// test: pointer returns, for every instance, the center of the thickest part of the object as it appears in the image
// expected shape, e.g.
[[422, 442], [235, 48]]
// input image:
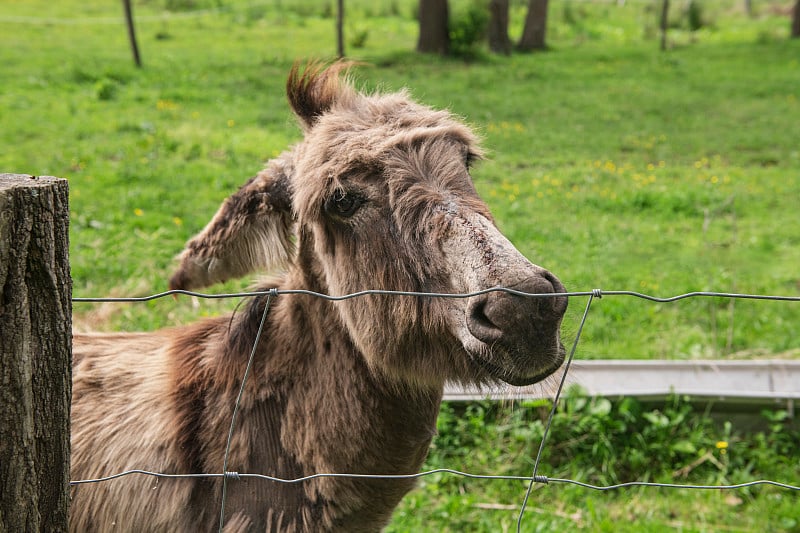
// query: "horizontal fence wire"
[[598, 293], [533, 479], [494, 477]]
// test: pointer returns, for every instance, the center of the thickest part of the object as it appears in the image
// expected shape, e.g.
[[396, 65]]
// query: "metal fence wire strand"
[[236, 408], [534, 478], [468, 475], [597, 293], [552, 414]]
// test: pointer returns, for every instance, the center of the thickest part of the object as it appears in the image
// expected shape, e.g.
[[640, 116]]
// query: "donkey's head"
[[378, 196]]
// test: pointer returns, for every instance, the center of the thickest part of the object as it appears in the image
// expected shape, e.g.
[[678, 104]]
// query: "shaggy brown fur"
[[377, 195]]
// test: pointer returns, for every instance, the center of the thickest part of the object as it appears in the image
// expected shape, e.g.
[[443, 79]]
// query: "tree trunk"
[[340, 28], [533, 34], [433, 31], [664, 23], [499, 42], [126, 4], [796, 20], [35, 353]]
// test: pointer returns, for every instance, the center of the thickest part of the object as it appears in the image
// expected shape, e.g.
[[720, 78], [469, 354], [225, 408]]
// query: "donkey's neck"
[[334, 415], [356, 419]]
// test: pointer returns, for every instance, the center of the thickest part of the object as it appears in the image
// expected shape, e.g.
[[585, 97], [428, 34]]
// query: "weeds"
[[603, 441], [607, 442], [468, 28]]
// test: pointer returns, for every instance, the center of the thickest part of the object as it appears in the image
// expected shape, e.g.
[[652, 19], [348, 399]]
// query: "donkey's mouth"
[[515, 376]]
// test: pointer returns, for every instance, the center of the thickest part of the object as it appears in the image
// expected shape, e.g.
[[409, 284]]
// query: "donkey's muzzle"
[[520, 332]]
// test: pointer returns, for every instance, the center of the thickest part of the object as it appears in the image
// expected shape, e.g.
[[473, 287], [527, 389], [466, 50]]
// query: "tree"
[[340, 28], [499, 42], [533, 34], [433, 27], [126, 4], [664, 23], [796, 20]]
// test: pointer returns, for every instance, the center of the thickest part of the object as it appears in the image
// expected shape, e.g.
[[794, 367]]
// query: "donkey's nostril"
[[559, 303], [479, 324], [511, 319], [554, 281]]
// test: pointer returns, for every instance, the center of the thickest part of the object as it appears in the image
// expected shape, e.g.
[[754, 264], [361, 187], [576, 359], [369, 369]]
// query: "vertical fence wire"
[[225, 475], [552, 414]]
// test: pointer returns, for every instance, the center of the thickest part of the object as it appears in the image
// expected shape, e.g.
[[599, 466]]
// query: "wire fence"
[[532, 480]]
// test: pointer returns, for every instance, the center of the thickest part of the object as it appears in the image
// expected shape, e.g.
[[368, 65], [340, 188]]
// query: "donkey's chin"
[[513, 374]]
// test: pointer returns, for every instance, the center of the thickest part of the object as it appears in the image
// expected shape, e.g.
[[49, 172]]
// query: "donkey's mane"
[[315, 87]]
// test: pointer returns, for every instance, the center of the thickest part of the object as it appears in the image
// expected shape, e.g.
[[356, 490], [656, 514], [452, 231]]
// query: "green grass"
[[614, 165], [610, 163]]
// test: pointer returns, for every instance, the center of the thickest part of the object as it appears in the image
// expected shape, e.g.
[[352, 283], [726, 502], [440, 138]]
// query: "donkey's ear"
[[251, 231], [314, 88]]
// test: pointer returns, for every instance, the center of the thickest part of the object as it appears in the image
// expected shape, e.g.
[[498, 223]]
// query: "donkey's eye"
[[343, 204]]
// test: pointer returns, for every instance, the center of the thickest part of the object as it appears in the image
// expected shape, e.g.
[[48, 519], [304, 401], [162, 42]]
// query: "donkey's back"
[[124, 418]]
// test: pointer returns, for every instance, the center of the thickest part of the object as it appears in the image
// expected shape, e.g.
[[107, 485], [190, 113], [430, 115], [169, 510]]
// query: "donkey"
[[377, 195]]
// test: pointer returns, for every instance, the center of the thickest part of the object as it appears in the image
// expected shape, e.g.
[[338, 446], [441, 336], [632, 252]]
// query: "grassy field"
[[613, 164]]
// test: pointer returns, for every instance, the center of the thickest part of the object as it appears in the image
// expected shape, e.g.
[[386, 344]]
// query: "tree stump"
[[35, 353]]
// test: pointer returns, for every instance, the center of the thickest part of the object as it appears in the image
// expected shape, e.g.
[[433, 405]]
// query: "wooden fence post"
[[35, 353]]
